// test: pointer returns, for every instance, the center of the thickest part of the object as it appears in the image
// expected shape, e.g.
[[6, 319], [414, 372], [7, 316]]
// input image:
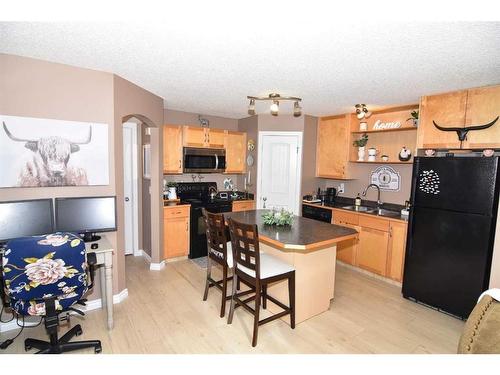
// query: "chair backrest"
[[245, 244], [215, 228], [40, 267]]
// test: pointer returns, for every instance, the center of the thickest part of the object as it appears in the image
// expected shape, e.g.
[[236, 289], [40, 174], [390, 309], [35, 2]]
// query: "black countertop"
[[303, 234]]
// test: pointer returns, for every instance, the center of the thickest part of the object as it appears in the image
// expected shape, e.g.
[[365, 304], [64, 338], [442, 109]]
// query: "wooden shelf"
[[381, 162], [407, 128]]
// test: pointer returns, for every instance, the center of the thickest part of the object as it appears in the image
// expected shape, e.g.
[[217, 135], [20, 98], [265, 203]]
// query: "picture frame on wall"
[[38, 152], [146, 161]]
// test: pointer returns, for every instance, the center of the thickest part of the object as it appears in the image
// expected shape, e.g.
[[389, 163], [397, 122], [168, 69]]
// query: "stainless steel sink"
[[384, 212], [359, 208]]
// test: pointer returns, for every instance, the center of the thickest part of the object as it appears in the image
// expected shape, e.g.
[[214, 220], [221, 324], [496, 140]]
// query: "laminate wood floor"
[[164, 313]]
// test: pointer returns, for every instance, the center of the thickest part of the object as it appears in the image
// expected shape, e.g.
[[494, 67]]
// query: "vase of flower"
[[361, 153], [360, 144], [172, 190]]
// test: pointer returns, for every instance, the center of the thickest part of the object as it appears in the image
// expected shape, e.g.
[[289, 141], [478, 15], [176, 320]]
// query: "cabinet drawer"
[[243, 206], [175, 211], [343, 217], [374, 223]]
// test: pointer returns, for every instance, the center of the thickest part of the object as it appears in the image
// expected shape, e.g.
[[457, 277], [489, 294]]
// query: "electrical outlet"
[[341, 188]]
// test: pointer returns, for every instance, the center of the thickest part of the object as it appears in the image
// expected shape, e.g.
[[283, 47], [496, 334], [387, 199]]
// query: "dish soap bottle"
[[357, 201]]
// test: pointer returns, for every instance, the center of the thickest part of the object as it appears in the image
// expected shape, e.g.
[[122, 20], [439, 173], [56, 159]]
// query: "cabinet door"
[[332, 152], [215, 138], [347, 250], [372, 250], [397, 248], [172, 149], [447, 110], [194, 136], [243, 206], [483, 106], [235, 152], [176, 234]]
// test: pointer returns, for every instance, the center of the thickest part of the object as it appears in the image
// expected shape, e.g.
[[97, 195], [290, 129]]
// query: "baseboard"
[[138, 252], [157, 266], [176, 259], [94, 304], [146, 256], [368, 273]]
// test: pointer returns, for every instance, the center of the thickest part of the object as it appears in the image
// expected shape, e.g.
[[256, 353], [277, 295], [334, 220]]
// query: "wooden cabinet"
[[176, 231], [372, 250], [243, 205], [396, 250], [347, 250], [235, 144], [332, 151], [458, 109], [172, 149], [483, 106], [194, 136]]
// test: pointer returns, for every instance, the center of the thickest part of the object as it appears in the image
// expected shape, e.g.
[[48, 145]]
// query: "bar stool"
[[219, 251], [259, 270]]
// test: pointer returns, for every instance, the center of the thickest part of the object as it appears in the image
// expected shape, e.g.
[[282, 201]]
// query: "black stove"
[[197, 194]]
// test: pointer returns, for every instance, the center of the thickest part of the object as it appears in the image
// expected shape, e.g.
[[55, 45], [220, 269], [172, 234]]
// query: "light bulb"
[[251, 107], [360, 114], [297, 110], [274, 108]]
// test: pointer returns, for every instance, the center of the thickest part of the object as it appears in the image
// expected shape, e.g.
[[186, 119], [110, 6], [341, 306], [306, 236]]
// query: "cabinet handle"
[[187, 226], [390, 231]]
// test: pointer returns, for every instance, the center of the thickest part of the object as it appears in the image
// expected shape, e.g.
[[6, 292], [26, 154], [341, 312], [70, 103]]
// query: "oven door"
[[201, 160]]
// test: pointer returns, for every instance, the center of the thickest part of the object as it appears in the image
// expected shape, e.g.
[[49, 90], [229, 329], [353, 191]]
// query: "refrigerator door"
[[463, 184], [448, 259]]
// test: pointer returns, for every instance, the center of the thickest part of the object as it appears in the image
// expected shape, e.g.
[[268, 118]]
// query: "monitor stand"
[[90, 237]]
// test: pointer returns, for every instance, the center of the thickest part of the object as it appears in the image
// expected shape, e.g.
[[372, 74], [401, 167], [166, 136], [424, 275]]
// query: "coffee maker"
[[330, 195]]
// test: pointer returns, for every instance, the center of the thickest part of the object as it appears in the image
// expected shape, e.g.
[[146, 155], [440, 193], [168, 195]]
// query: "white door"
[[278, 181], [130, 187]]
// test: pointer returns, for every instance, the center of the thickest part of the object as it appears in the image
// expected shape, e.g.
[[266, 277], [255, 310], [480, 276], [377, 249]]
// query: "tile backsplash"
[[206, 177]]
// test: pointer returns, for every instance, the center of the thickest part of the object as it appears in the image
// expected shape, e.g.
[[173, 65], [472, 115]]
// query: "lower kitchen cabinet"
[[176, 231], [243, 205], [347, 250], [372, 250], [397, 248]]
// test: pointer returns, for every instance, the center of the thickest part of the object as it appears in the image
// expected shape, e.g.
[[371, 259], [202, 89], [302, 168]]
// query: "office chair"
[[45, 276]]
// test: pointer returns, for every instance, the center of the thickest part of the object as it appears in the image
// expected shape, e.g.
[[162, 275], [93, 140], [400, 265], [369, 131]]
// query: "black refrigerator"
[[451, 231]]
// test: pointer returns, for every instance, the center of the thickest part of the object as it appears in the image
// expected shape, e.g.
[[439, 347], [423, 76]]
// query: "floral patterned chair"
[[45, 276]]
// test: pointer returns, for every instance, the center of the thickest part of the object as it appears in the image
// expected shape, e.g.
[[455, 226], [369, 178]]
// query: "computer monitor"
[[86, 216], [26, 218]]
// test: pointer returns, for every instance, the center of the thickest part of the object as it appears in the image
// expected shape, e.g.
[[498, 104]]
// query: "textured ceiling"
[[209, 65]]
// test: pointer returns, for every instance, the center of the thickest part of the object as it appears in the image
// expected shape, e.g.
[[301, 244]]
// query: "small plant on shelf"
[[360, 144], [172, 190], [279, 218], [414, 117]]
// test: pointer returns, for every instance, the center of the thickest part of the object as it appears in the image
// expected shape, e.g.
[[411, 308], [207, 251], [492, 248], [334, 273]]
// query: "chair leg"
[[231, 309], [207, 283], [291, 298], [70, 346], [37, 344], [75, 331], [264, 296], [238, 285], [256, 316], [224, 292]]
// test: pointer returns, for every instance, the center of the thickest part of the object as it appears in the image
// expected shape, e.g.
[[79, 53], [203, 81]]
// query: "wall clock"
[[251, 145]]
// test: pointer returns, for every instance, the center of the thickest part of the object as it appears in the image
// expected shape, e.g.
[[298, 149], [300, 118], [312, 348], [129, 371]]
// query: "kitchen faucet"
[[379, 202]]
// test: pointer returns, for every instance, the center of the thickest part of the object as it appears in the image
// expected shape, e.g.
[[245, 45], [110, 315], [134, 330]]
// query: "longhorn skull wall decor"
[[462, 132], [41, 152]]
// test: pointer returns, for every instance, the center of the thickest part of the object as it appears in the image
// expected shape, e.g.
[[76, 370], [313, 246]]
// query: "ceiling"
[[206, 64]]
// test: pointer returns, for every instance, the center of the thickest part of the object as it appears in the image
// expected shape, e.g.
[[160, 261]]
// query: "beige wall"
[[35, 88], [310, 182], [250, 125]]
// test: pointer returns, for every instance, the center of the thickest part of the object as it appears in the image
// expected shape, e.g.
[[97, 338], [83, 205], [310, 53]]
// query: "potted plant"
[[172, 190], [278, 218], [414, 118], [360, 144]]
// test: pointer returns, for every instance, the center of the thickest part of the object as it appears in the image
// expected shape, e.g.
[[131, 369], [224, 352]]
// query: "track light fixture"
[[274, 108], [362, 112]]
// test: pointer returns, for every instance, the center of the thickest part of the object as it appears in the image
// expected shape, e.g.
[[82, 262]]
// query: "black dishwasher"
[[317, 213]]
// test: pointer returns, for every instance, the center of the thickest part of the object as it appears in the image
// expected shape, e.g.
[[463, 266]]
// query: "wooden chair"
[[259, 270]]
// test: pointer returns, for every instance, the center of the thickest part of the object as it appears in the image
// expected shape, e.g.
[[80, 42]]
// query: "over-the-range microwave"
[[204, 160]]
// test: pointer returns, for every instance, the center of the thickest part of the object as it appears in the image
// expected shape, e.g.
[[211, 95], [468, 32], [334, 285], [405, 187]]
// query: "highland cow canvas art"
[[43, 152]]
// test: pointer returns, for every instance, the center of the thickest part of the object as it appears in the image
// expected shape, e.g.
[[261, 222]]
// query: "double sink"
[[373, 210]]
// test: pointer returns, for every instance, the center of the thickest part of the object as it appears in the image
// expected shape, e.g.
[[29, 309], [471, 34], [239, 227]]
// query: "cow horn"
[[447, 129], [9, 134], [87, 140]]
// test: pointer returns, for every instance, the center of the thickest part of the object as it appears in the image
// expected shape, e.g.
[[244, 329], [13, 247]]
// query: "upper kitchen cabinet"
[[194, 136], [332, 151], [464, 108], [483, 106], [235, 152], [447, 110], [172, 149]]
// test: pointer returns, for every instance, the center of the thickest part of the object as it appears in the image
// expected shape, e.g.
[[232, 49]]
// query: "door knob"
[[127, 199]]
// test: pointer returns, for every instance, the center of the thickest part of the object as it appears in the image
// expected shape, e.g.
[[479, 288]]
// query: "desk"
[[104, 255]]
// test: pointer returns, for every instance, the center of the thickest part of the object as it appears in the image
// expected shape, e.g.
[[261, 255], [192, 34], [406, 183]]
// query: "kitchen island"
[[310, 247]]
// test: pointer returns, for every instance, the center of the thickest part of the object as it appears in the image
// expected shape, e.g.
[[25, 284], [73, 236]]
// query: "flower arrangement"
[[171, 184], [361, 142], [279, 218]]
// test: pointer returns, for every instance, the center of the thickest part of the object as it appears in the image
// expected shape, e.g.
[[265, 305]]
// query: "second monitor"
[[86, 216]]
